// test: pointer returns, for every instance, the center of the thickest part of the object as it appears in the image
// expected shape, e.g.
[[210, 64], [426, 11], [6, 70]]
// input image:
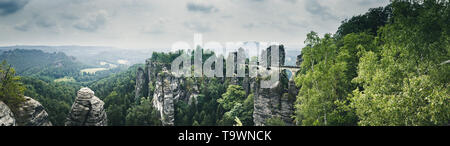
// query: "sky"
[[144, 24]]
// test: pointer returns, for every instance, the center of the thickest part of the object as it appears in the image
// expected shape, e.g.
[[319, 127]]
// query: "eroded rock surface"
[[87, 110], [32, 113], [6, 116], [163, 97]]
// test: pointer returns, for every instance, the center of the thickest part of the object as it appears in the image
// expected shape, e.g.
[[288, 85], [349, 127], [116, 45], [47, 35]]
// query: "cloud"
[[23, 27], [37, 21], [314, 7], [195, 7], [258, 0], [45, 22], [92, 22], [198, 27], [144, 24], [364, 2], [156, 30], [291, 1], [11, 6], [249, 25]]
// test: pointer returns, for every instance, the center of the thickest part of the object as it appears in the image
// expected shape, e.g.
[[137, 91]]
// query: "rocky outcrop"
[[191, 96], [299, 60], [166, 88], [6, 116], [140, 82], [87, 110], [29, 113], [287, 103], [277, 101], [32, 113], [150, 73], [266, 103], [273, 102]]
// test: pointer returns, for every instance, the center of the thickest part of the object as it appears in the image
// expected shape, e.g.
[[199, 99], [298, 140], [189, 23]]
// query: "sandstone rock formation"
[[277, 101], [87, 110], [299, 60], [6, 116], [140, 84], [32, 113], [166, 87], [273, 102]]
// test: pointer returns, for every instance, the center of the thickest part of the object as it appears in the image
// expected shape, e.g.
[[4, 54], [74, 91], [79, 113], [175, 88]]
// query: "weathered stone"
[[299, 60], [87, 110], [140, 82], [276, 101], [6, 116], [268, 103], [32, 113], [163, 97], [150, 74]]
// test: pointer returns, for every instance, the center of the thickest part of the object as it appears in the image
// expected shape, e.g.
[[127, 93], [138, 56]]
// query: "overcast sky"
[[158, 24]]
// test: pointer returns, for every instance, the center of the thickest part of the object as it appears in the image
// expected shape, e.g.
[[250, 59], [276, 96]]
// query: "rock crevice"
[[6, 116], [87, 110], [28, 113]]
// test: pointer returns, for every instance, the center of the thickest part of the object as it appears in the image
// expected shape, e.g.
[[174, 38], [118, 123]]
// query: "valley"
[[385, 67]]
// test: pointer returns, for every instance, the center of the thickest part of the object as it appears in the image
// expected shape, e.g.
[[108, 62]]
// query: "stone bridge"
[[292, 69]]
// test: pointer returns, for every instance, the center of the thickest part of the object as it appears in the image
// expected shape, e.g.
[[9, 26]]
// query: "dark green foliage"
[[117, 91], [55, 97], [165, 58], [143, 115], [384, 67], [236, 104], [378, 73], [369, 22], [11, 90], [39, 63], [205, 112], [275, 121], [405, 83]]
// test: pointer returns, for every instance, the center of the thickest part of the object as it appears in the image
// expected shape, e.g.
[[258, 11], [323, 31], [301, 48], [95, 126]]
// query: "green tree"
[[11, 89], [235, 94], [236, 105], [275, 121], [405, 83], [143, 115], [324, 81], [369, 22]]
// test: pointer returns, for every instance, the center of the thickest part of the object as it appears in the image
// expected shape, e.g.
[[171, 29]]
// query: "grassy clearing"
[[65, 79], [92, 70]]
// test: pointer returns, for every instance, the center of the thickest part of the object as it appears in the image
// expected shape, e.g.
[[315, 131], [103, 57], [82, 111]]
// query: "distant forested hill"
[[94, 55], [37, 62]]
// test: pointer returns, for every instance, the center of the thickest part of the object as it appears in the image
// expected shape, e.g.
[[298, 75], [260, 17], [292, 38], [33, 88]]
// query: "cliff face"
[[163, 98], [266, 103], [29, 113], [165, 89], [277, 101], [299, 60], [32, 113], [274, 102], [6, 116], [156, 81], [140, 84], [87, 110]]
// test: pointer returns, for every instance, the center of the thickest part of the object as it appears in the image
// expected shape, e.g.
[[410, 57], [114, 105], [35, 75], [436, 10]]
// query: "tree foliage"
[[380, 73], [11, 90]]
